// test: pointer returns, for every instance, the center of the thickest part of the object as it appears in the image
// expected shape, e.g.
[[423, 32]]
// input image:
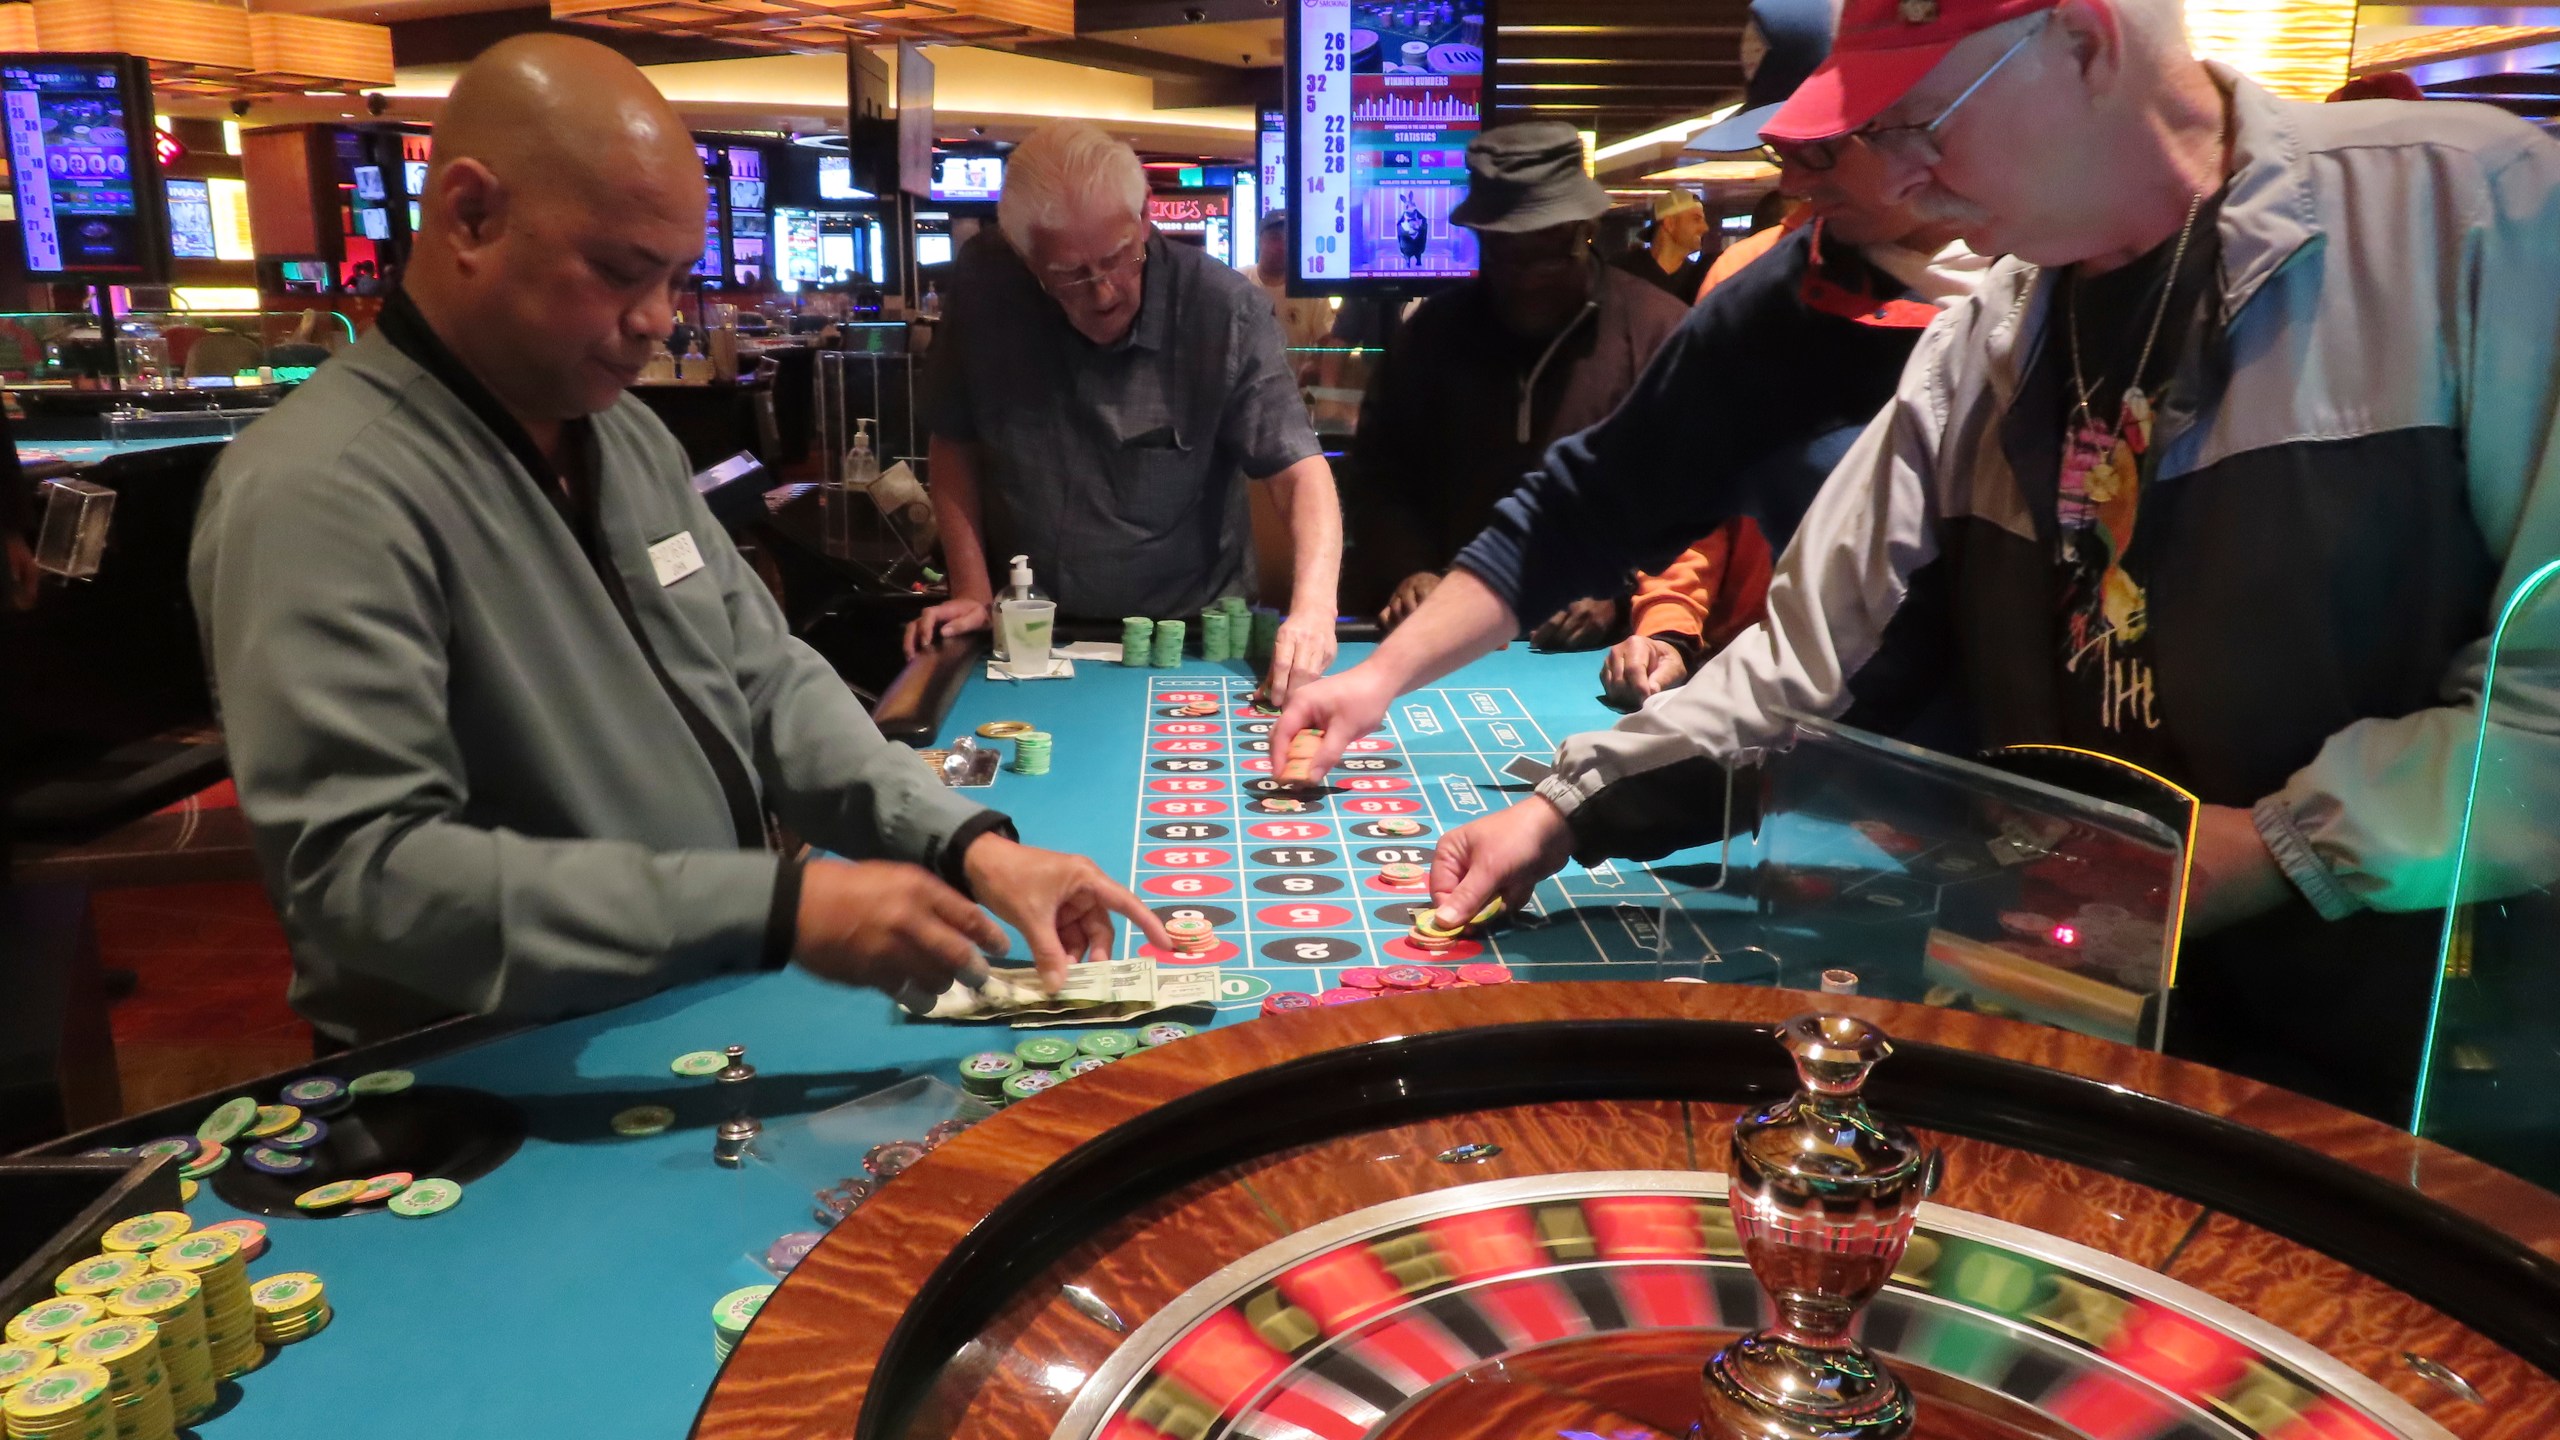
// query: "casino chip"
[[1045, 1052], [785, 1254], [205, 1162], [1364, 977], [381, 1082], [227, 1120], [1164, 1032], [1398, 825], [1485, 973], [426, 1197], [188, 1190], [251, 1235], [1029, 1083], [317, 1094], [274, 1120], [1005, 729], [101, 1275], [1280, 1002], [144, 1232], [329, 1196], [382, 1187], [50, 1322], [696, 1064], [181, 1148], [984, 1073], [1108, 1043], [1345, 996], [732, 1315], [1403, 876], [1407, 977], [300, 1137], [943, 1131], [290, 1307], [842, 1199], [1082, 1065], [644, 1120], [891, 1158], [17, 1362]]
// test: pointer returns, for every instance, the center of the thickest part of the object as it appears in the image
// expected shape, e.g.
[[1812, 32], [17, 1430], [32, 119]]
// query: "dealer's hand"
[[1417, 587], [1301, 653], [2234, 877], [886, 924], [1640, 667], [1506, 853], [1345, 707], [951, 617], [1062, 904], [1581, 625]]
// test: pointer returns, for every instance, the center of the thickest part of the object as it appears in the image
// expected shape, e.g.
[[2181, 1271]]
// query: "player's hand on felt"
[[1417, 587], [887, 924], [1301, 653], [2234, 876], [1504, 854], [1640, 667], [1344, 707], [951, 617], [1582, 625], [1062, 904]]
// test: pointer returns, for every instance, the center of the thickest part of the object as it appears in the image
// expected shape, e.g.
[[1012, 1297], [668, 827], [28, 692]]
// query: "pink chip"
[[1365, 977], [1281, 1001], [1345, 996], [1485, 973]]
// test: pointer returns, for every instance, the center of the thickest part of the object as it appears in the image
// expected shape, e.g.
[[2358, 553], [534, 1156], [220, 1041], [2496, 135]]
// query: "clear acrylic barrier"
[[816, 1154], [1901, 873], [154, 348], [2490, 1084]]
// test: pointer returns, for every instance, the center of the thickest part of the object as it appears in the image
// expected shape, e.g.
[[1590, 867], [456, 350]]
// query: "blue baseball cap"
[[1785, 41]]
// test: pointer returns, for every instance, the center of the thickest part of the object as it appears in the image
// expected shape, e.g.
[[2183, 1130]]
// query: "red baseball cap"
[[1883, 48]]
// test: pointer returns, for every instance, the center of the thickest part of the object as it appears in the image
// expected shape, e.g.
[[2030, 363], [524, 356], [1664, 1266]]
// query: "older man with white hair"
[[2312, 350], [1096, 400]]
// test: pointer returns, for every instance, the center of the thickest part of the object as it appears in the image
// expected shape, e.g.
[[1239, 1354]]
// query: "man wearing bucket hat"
[[2310, 349], [1741, 413], [1544, 342]]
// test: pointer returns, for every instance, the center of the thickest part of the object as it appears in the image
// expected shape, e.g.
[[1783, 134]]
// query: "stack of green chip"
[[731, 1316], [1045, 1052], [1031, 752], [1169, 637], [1266, 635], [1028, 1084], [1137, 639], [1213, 636], [1110, 1044], [984, 1074]]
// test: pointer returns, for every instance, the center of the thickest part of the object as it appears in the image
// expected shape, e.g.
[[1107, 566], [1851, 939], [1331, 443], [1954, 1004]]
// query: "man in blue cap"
[[1753, 398]]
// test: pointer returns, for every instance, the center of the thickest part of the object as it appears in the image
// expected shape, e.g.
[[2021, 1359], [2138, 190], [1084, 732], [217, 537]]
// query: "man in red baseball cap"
[[2228, 471]]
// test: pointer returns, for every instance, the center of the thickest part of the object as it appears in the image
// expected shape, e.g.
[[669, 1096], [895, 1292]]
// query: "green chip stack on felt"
[[1031, 753], [984, 1073], [1214, 632], [1045, 1052], [1170, 635], [731, 1316], [1110, 1044], [1266, 635], [1137, 640]]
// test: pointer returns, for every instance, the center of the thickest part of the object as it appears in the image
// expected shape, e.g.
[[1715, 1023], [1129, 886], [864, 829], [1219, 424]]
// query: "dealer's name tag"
[[675, 557]]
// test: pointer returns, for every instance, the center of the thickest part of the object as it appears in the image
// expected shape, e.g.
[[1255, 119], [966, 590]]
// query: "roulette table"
[[1501, 1213]]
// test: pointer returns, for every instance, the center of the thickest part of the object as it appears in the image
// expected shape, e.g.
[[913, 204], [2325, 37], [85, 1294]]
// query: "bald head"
[[563, 208]]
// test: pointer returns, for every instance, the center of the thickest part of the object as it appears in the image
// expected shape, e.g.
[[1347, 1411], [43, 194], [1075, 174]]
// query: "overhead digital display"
[[1274, 157], [713, 264], [967, 177], [191, 220], [1386, 98], [83, 124]]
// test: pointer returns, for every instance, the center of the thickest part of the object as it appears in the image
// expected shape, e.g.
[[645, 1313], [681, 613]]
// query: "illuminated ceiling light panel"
[[2297, 49], [2447, 42], [829, 25], [307, 52]]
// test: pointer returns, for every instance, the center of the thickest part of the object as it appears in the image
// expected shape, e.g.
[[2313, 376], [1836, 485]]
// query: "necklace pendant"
[[2136, 426]]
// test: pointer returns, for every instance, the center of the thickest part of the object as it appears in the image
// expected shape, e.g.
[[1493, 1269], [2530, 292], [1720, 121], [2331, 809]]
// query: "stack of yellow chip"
[[137, 1383], [49, 1322], [66, 1402], [290, 1307], [19, 1362], [174, 1301], [142, 1233], [102, 1275], [230, 1322]]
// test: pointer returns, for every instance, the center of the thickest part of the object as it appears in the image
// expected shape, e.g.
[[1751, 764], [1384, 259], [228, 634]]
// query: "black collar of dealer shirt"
[[577, 497]]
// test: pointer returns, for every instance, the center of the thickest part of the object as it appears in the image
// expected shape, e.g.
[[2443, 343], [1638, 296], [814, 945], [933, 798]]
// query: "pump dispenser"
[[1024, 619]]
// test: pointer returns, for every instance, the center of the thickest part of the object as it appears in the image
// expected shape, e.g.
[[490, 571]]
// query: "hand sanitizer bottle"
[[861, 465], [1024, 619]]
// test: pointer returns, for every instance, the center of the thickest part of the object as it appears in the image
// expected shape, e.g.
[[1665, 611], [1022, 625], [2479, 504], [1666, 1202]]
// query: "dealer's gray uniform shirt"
[[1119, 469], [468, 791]]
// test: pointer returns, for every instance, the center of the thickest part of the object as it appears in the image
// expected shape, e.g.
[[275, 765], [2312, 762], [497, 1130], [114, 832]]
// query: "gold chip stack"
[[174, 1301], [50, 1322], [20, 1362], [67, 1402], [102, 1275], [141, 1234], [137, 1383], [230, 1321], [290, 1307]]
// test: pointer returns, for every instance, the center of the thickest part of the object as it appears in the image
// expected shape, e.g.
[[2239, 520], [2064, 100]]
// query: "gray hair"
[[1067, 171]]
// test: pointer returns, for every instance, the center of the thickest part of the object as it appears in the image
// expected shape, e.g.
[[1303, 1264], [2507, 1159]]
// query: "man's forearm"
[[1307, 496], [1462, 621], [955, 513]]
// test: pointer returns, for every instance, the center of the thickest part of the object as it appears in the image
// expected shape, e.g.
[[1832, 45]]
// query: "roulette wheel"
[[1509, 1212]]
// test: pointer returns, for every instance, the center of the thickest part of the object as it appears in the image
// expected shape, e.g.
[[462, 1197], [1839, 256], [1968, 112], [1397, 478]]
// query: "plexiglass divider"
[[2490, 1084], [1882, 869]]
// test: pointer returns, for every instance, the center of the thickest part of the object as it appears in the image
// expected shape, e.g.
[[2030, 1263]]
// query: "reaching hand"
[[1639, 667], [1581, 625], [1301, 653], [2234, 876], [951, 617], [1062, 904], [1506, 853], [886, 924], [1345, 707], [1417, 587]]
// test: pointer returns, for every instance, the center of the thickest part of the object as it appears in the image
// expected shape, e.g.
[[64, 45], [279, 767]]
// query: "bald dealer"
[[508, 713]]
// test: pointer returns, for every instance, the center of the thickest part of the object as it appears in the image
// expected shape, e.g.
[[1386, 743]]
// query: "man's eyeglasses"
[[1115, 267], [1901, 142]]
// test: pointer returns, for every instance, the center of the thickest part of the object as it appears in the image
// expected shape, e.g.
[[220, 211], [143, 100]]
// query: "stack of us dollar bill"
[[1104, 993]]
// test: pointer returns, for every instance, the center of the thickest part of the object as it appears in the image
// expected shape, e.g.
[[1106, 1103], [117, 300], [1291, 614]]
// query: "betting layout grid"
[[1296, 893]]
